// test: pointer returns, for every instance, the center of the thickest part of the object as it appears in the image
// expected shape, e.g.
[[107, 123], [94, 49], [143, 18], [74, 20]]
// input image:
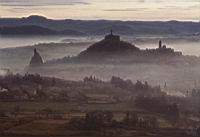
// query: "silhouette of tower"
[[160, 44], [111, 32]]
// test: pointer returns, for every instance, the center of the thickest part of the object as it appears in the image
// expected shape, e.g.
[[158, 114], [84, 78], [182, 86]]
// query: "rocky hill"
[[109, 46], [36, 60]]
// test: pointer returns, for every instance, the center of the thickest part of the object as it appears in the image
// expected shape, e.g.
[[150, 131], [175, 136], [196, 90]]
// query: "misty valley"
[[61, 78]]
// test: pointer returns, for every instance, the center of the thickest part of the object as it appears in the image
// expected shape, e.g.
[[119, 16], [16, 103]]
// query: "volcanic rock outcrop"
[[36, 60], [110, 45]]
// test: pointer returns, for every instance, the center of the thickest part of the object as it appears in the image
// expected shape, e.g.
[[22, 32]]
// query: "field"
[[25, 120], [62, 106]]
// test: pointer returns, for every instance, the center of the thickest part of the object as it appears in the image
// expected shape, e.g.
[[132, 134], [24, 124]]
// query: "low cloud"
[[127, 9], [41, 2]]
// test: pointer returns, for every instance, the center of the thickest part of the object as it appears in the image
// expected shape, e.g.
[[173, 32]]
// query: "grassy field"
[[49, 127], [61, 106]]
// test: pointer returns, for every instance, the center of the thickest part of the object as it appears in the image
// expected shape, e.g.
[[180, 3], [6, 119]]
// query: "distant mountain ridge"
[[26, 30], [100, 27], [35, 30]]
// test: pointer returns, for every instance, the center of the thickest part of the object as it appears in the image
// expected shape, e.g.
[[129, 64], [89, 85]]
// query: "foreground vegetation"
[[37, 106]]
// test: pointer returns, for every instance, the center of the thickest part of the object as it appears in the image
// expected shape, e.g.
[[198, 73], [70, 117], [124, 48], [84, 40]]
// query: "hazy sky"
[[104, 9]]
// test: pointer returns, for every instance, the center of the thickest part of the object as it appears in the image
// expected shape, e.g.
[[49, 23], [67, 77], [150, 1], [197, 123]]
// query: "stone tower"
[[160, 44]]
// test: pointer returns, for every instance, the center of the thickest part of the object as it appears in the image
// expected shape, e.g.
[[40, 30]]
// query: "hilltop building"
[[36, 60], [112, 37], [163, 50]]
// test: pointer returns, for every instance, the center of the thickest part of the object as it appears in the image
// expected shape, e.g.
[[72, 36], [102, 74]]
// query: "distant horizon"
[[141, 10], [27, 16]]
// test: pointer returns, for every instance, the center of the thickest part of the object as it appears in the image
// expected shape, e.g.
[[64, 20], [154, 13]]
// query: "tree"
[[198, 132], [174, 113], [131, 119]]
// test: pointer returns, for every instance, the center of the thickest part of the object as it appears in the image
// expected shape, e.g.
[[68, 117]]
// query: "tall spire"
[[111, 32], [160, 44]]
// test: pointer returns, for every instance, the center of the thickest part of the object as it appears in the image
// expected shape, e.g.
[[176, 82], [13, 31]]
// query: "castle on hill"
[[163, 50]]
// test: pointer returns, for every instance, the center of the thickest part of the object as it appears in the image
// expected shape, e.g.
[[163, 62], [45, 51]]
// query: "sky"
[[185, 10]]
